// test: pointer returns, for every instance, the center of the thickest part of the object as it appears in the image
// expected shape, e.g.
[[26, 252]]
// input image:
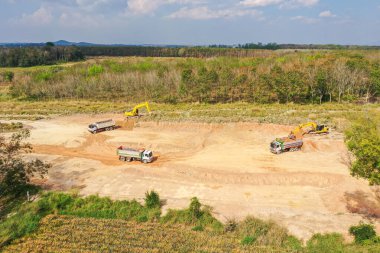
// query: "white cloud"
[[42, 16], [260, 3], [306, 20], [327, 14], [149, 6], [203, 12], [78, 19], [280, 3], [90, 5]]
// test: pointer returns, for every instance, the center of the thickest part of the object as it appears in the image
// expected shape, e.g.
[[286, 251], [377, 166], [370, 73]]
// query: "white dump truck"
[[105, 125], [130, 154], [285, 144]]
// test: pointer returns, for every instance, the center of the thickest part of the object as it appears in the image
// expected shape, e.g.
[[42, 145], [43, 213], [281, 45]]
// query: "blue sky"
[[197, 22]]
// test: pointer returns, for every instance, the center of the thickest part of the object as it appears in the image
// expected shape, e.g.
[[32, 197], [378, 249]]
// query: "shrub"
[[195, 208], [231, 225], [363, 232], [328, 243], [248, 240], [293, 243], [193, 215], [197, 228], [264, 232], [142, 218], [95, 70], [152, 200], [8, 76], [43, 76], [6, 127]]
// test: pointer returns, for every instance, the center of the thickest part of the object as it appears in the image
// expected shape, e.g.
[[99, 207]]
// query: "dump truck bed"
[[123, 151]]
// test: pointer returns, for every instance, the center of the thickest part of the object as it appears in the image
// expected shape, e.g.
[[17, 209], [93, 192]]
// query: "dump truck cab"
[[147, 156], [92, 128], [276, 147]]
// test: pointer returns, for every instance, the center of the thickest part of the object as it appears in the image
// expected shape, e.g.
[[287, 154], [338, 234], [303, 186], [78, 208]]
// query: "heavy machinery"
[[294, 141], [135, 111], [130, 154], [105, 125], [308, 128], [285, 144]]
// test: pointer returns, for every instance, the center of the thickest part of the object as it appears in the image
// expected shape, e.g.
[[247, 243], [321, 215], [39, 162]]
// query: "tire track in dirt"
[[320, 180], [85, 150]]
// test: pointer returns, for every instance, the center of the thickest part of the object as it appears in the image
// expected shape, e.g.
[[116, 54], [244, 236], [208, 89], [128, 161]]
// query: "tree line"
[[313, 77], [51, 54], [34, 56]]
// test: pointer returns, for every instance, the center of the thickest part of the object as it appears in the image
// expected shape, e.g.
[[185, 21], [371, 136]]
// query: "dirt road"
[[228, 166]]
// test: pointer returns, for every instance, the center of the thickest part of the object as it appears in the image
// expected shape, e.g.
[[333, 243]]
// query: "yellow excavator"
[[135, 111], [308, 128]]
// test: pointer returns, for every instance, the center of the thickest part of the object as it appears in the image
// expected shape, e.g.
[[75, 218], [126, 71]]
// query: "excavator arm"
[[135, 111], [308, 128]]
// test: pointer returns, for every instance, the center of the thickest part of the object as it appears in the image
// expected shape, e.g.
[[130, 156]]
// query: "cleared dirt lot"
[[228, 166]]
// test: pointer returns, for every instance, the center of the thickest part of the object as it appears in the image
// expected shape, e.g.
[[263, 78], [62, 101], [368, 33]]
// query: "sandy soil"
[[228, 166]]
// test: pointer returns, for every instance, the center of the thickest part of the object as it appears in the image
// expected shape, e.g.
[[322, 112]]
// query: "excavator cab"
[[321, 129]]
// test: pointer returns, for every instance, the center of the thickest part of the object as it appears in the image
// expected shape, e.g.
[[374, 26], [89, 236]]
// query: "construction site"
[[238, 169]]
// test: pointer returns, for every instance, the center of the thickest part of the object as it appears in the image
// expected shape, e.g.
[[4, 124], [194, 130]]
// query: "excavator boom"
[[135, 111], [308, 128]]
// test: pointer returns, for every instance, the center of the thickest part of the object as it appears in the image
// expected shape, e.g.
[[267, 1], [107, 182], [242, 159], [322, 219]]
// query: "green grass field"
[[333, 114]]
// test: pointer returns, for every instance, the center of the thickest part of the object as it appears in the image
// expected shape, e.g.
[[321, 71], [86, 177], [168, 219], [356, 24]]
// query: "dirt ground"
[[227, 166]]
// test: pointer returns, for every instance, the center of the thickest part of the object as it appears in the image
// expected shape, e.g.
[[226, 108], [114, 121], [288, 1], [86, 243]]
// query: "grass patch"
[[196, 214], [27, 215], [66, 222], [67, 234], [10, 127], [335, 115]]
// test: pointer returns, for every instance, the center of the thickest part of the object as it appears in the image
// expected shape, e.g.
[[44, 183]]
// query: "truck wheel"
[[129, 159], [94, 132], [145, 161]]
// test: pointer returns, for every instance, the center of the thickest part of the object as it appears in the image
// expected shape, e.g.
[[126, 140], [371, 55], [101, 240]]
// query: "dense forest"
[[34, 56], [275, 46], [49, 54], [198, 52], [278, 77]]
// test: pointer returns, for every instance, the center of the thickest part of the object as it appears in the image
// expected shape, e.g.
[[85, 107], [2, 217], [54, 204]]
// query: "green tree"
[[363, 139], [15, 172], [49, 44], [321, 87]]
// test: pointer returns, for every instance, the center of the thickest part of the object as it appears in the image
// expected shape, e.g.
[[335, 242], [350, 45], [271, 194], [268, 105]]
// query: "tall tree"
[[15, 171]]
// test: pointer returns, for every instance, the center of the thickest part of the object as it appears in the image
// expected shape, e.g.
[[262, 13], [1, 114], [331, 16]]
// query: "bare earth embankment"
[[228, 166]]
